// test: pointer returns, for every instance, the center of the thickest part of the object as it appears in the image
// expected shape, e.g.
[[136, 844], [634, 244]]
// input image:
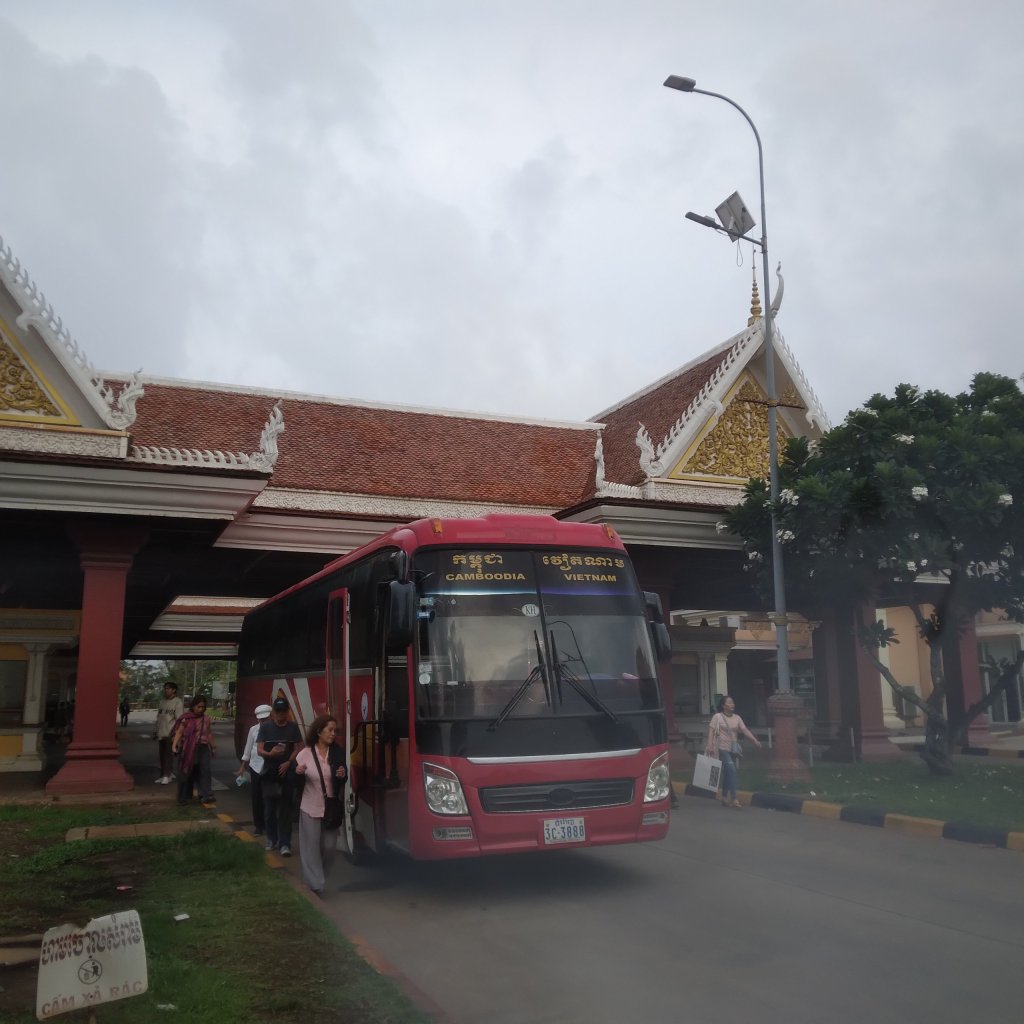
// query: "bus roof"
[[495, 529]]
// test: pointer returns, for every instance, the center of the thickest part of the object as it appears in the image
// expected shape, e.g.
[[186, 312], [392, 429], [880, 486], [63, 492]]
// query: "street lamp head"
[[708, 222], [680, 83]]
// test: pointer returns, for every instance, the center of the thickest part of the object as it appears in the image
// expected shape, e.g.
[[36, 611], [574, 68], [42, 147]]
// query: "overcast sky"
[[479, 205]]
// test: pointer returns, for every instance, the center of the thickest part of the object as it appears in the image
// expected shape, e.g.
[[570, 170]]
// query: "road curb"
[[878, 817], [999, 753]]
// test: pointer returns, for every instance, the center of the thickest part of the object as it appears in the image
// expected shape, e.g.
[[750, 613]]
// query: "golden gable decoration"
[[22, 394], [735, 447]]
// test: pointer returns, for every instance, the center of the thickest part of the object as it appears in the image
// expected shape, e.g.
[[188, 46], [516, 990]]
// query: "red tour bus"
[[494, 681]]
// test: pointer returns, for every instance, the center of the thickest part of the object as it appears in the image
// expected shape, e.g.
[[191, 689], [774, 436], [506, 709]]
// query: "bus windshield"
[[530, 634]]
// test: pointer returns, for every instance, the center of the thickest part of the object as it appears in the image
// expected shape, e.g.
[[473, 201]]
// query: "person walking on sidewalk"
[[724, 732], [124, 707], [172, 707], [278, 742], [252, 761], [316, 843], [193, 742]]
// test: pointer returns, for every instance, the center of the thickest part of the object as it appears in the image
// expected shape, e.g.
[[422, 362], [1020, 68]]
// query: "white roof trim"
[[262, 461], [708, 402], [287, 499], [816, 415], [660, 527], [321, 534], [117, 411], [122, 490], [152, 649], [190, 622]]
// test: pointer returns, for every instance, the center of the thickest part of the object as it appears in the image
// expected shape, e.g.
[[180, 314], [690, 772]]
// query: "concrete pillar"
[[784, 710], [875, 744], [31, 757], [35, 683], [826, 679], [721, 680], [93, 760], [979, 734], [889, 716]]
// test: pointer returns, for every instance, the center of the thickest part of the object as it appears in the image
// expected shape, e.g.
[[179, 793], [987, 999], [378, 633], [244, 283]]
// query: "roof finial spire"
[[755, 301]]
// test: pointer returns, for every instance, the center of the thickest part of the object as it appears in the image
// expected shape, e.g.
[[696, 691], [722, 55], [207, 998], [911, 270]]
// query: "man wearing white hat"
[[252, 760]]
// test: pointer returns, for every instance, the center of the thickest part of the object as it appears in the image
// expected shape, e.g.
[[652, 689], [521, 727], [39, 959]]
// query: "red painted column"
[[827, 675], [875, 744], [978, 734], [93, 760]]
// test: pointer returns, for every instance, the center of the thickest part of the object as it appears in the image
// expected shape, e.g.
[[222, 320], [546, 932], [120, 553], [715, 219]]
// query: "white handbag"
[[707, 772]]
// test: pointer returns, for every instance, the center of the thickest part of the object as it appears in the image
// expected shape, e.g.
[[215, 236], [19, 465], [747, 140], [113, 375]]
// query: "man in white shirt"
[[253, 761], [172, 707]]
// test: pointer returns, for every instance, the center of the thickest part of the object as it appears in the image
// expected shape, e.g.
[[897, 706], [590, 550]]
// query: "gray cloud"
[[481, 207]]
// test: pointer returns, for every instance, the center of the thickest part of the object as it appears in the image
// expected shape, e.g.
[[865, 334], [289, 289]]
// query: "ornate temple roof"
[[704, 426], [691, 438]]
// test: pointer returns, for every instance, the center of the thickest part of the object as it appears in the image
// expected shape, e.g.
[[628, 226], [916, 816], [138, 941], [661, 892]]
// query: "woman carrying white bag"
[[724, 743]]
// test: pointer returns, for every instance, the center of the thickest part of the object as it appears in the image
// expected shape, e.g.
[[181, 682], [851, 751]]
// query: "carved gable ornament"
[[25, 396], [732, 447], [114, 410]]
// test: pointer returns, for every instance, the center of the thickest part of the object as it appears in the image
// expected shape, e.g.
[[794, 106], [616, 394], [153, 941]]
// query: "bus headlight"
[[443, 790], [659, 781]]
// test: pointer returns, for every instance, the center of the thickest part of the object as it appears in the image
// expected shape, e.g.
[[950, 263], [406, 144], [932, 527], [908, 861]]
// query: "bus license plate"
[[564, 830]]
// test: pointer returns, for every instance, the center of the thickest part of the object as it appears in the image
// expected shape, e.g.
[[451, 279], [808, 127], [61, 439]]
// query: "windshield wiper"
[[562, 671], [538, 671]]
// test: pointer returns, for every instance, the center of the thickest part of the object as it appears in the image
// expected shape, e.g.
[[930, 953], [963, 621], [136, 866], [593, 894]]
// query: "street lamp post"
[[784, 705]]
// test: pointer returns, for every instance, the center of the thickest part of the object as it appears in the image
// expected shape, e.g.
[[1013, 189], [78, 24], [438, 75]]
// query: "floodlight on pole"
[[778, 579]]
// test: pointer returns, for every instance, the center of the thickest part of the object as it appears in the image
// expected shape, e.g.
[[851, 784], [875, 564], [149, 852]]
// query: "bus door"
[[351, 688], [339, 694], [393, 783]]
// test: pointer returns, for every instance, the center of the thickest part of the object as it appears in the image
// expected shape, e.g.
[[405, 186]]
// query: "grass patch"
[[252, 950], [49, 821], [978, 792]]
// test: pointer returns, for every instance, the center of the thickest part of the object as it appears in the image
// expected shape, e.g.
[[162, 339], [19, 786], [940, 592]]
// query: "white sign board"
[[83, 967]]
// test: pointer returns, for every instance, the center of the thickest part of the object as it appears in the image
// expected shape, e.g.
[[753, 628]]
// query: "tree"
[[212, 678], [141, 681], [913, 500]]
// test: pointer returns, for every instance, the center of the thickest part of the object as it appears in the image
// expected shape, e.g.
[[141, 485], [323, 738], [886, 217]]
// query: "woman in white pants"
[[316, 844]]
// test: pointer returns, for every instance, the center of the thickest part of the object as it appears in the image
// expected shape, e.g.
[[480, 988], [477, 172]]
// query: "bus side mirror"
[[653, 605], [659, 631], [662, 641], [401, 615]]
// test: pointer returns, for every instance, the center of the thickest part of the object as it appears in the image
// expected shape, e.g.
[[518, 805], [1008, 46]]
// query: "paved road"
[[737, 916]]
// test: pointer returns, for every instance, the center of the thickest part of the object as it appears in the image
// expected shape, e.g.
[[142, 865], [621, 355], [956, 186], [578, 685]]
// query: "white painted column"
[[705, 674], [31, 757], [889, 717], [722, 673]]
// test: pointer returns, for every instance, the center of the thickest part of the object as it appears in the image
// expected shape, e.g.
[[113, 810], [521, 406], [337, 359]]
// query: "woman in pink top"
[[724, 743], [317, 844]]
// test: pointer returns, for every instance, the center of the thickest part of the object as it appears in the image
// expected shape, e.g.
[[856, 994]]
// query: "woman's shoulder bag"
[[333, 811]]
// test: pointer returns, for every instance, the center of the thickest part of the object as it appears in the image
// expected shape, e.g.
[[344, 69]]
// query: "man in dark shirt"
[[278, 742]]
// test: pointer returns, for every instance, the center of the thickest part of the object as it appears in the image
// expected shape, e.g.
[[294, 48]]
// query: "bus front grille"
[[557, 796]]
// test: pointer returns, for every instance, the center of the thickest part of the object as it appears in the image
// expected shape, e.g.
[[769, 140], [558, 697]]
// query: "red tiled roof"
[[355, 449], [657, 409]]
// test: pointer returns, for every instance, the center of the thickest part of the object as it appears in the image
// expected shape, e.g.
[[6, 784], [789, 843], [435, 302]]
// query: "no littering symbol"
[[89, 972]]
